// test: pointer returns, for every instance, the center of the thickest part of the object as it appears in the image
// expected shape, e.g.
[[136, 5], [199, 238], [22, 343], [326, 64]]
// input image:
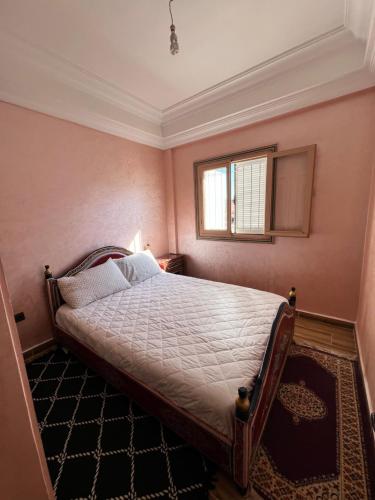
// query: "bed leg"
[[241, 454], [245, 492]]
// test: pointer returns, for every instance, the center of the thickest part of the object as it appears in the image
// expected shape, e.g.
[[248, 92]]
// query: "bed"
[[181, 347]]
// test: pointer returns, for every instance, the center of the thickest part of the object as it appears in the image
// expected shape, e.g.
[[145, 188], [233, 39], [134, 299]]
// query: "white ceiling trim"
[[78, 77], [333, 40], [88, 119], [357, 17], [230, 104], [307, 97], [370, 47]]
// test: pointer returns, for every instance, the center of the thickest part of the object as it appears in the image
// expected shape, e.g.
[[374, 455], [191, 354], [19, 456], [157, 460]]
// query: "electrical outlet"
[[19, 317], [373, 421]]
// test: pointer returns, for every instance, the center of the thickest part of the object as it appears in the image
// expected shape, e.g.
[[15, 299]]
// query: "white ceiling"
[[126, 42], [106, 63]]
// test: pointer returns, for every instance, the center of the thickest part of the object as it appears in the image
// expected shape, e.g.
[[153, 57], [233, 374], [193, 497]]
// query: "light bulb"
[[174, 48]]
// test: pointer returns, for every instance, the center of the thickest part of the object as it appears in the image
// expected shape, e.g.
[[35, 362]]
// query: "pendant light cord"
[[170, 10]]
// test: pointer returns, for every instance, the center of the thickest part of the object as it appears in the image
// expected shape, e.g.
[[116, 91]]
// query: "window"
[[255, 195], [215, 199]]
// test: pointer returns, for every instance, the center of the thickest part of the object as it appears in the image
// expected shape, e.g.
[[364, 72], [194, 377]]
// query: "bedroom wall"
[[366, 311], [326, 267], [64, 191], [24, 472]]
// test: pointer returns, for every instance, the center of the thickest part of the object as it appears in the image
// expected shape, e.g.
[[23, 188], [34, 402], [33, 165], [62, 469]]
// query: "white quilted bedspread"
[[194, 341]]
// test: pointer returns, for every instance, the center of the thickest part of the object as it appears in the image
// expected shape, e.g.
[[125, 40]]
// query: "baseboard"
[[361, 366], [38, 350], [365, 400], [333, 320]]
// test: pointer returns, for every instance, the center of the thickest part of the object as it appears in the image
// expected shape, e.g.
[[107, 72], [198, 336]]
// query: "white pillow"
[[92, 284], [138, 267]]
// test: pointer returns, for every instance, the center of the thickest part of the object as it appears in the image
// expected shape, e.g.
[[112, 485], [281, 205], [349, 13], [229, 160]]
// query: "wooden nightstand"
[[172, 263]]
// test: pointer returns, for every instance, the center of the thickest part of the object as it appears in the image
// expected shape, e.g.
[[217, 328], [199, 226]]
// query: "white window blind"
[[215, 199], [249, 183]]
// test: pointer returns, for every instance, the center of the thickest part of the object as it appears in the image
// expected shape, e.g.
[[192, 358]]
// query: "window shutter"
[[249, 196], [289, 191]]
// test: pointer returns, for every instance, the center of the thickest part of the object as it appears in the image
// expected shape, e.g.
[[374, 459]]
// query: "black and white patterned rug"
[[101, 445]]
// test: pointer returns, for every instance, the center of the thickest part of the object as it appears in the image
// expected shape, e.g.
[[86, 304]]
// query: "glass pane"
[[248, 196], [215, 199]]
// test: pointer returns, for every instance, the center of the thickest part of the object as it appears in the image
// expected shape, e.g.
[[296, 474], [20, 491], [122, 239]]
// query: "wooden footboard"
[[234, 456], [248, 431]]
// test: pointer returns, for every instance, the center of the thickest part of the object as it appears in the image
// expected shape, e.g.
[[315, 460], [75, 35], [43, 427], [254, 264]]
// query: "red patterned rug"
[[317, 443]]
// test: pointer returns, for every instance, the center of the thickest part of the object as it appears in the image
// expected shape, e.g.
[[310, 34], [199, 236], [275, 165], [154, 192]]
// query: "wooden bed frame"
[[233, 456]]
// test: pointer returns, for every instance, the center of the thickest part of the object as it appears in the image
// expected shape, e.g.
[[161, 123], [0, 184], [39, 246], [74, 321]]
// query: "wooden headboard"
[[95, 258]]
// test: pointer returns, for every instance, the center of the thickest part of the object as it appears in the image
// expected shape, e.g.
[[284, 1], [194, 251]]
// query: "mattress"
[[193, 341]]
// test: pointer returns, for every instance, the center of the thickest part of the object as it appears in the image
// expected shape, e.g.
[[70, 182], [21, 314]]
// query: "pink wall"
[[326, 267], [68, 190], [366, 310], [24, 472]]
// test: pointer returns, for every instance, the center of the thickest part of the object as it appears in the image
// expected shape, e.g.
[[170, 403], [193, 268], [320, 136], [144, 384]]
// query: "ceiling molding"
[[370, 47], [357, 17], [336, 63], [353, 82], [88, 119], [330, 61], [334, 40], [78, 77]]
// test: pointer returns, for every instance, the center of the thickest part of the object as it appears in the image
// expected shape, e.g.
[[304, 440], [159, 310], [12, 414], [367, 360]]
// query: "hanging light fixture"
[[174, 48]]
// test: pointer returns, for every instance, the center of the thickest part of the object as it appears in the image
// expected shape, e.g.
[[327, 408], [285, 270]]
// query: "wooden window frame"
[[225, 161], [271, 191], [201, 169]]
